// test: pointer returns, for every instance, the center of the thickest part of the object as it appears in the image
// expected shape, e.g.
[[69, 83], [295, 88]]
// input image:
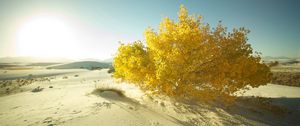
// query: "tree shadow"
[[271, 111], [246, 110]]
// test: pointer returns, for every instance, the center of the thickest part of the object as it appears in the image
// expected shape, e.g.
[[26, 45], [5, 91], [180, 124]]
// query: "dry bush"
[[37, 89], [111, 70], [273, 63], [188, 59], [286, 78]]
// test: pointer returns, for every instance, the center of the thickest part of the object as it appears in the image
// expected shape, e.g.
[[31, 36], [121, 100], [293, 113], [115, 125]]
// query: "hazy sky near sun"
[[97, 26]]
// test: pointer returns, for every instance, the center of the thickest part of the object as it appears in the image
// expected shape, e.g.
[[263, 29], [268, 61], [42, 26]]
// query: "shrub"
[[188, 59], [286, 78], [273, 63], [111, 70]]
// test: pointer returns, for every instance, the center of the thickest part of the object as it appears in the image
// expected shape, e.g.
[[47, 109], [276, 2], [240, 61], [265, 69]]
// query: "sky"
[[94, 28]]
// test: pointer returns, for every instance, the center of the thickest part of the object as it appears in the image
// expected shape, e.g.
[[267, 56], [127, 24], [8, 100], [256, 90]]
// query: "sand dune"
[[82, 65]]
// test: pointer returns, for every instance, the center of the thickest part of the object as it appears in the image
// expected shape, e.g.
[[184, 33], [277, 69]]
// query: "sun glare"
[[47, 37]]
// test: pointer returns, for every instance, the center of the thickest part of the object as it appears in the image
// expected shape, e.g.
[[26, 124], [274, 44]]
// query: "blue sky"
[[101, 25]]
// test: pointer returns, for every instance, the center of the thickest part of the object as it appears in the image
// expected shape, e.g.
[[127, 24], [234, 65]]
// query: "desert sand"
[[70, 98]]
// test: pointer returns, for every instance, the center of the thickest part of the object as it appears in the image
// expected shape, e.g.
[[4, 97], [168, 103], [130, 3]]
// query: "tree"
[[188, 59], [132, 62]]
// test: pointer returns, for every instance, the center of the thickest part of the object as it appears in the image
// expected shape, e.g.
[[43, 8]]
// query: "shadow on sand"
[[271, 111], [247, 110]]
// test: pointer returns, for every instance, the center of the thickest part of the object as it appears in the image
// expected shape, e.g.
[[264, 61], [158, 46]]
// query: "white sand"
[[70, 103], [275, 91]]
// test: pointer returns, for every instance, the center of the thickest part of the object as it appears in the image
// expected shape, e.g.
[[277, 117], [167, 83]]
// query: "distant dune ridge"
[[281, 59], [53, 63], [82, 65]]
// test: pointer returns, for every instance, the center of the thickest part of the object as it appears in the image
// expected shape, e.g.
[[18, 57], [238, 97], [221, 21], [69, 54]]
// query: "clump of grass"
[[115, 90], [37, 89], [107, 86]]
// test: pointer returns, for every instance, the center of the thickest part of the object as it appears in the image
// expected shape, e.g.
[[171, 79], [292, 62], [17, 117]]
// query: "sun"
[[46, 37]]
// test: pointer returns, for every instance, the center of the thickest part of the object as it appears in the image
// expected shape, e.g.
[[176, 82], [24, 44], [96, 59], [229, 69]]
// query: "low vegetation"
[[189, 59], [37, 89], [273, 63], [111, 70], [115, 90], [16, 85], [286, 78]]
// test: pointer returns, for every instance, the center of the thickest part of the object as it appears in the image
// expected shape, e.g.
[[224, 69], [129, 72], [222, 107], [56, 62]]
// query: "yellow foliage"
[[188, 59]]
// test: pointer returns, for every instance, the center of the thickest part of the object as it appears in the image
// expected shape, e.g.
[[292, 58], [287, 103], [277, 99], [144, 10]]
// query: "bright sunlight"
[[47, 37]]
